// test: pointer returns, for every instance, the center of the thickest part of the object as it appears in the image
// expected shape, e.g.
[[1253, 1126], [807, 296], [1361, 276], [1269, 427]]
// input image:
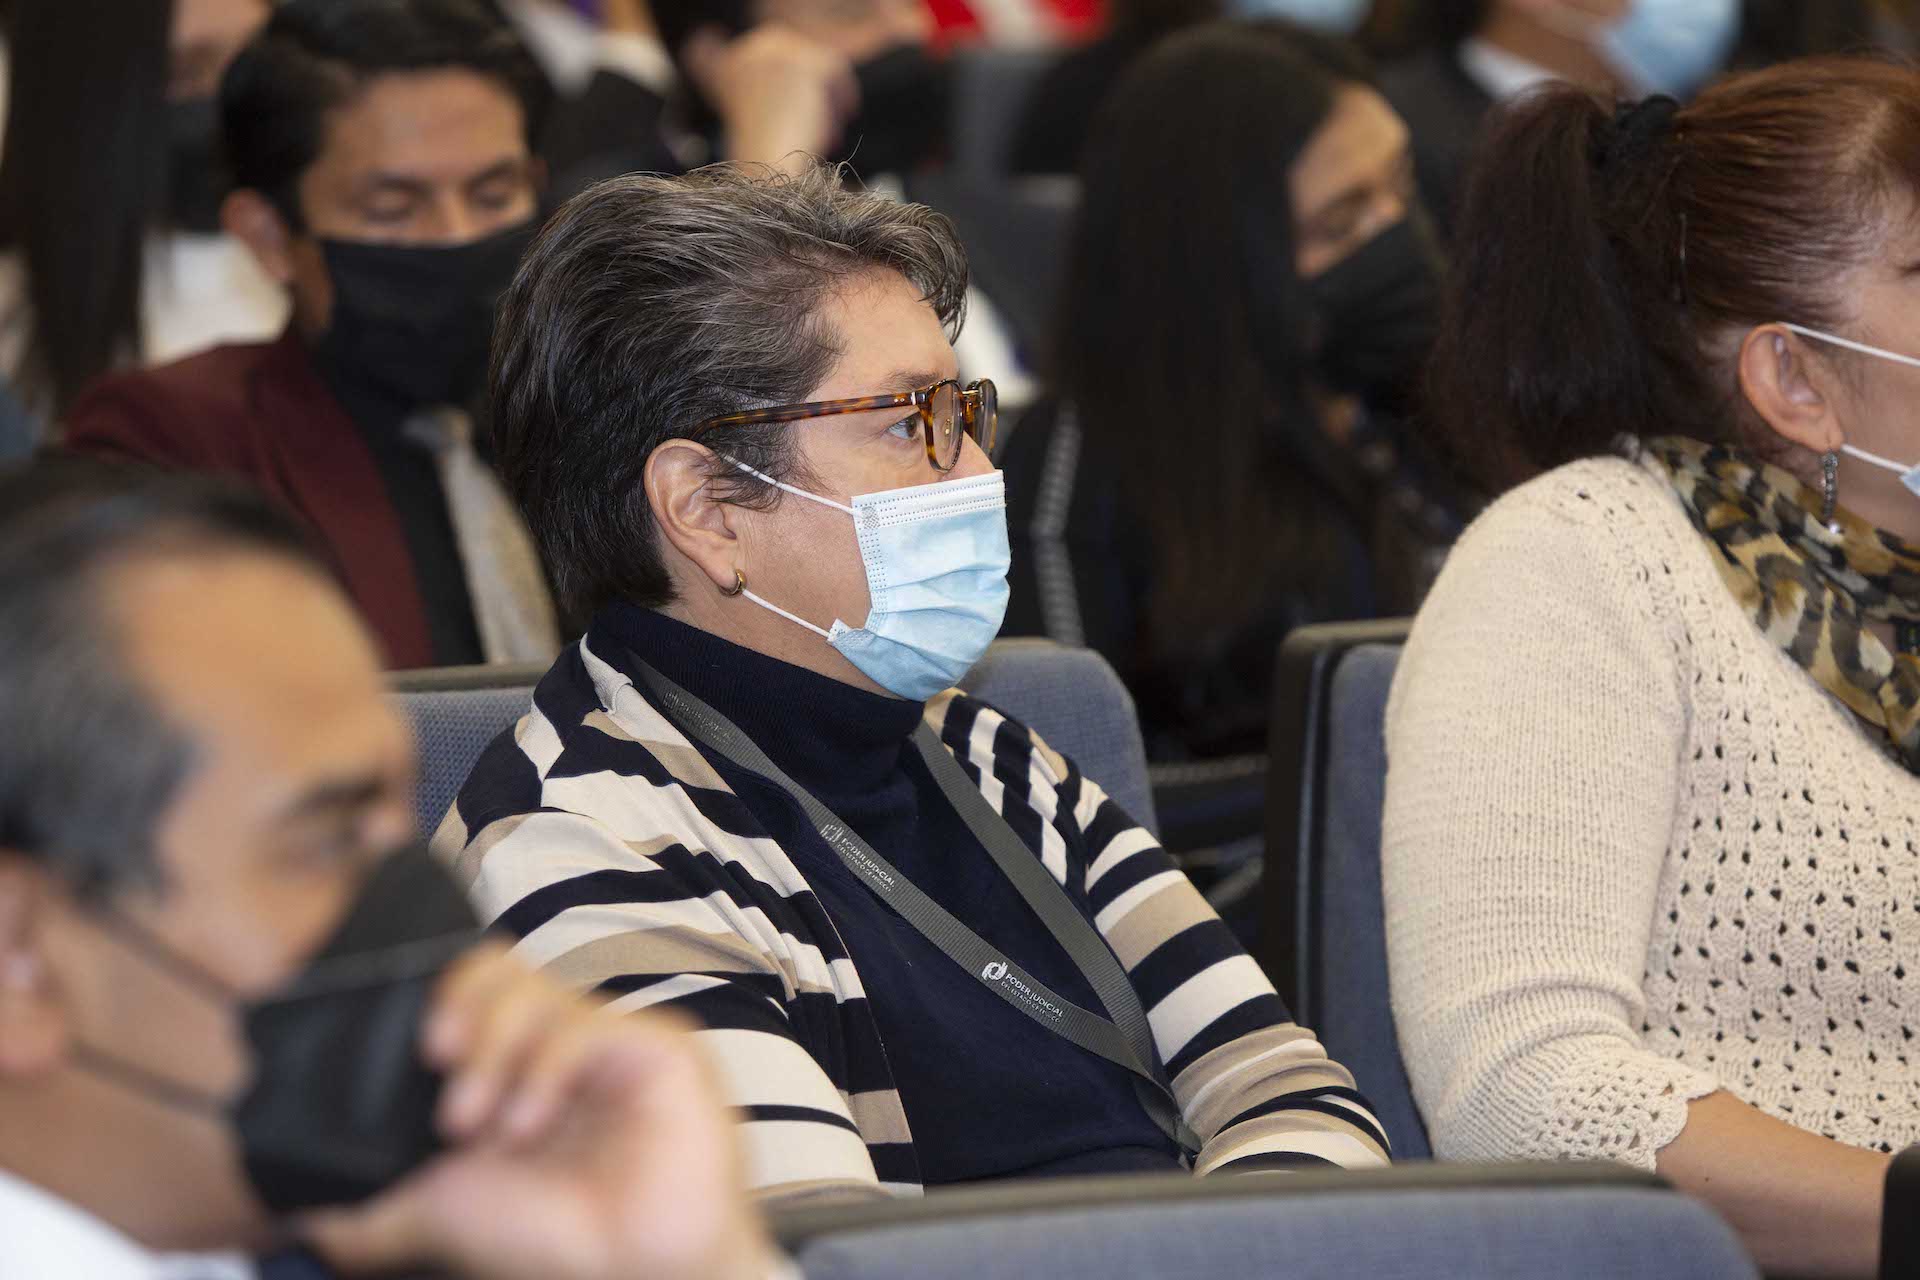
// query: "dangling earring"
[[739, 585], [1829, 487]]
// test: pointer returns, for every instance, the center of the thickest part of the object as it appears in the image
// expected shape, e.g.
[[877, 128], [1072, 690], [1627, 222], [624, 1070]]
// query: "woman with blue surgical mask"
[[926, 948], [1483, 52]]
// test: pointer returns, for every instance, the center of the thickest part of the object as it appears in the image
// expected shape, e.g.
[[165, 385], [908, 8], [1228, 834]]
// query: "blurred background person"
[[885, 96], [112, 176], [1251, 293], [384, 178], [1058, 113], [1475, 53], [216, 814], [111, 249]]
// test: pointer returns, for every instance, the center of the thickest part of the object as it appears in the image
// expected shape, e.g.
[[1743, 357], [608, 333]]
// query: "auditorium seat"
[[1071, 697], [991, 85], [1018, 234], [1322, 930], [1466, 1222], [19, 432]]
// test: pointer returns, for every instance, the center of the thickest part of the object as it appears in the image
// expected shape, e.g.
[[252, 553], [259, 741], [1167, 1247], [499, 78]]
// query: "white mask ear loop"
[[1875, 459], [771, 607], [797, 492], [1851, 345], [758, 599], [1909, 475]]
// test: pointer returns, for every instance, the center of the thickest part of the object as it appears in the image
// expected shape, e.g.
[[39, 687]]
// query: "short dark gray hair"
[[88, 763], [649, 305]]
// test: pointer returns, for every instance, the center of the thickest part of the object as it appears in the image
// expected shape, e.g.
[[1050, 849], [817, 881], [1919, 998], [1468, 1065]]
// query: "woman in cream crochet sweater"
[[1651, 872]]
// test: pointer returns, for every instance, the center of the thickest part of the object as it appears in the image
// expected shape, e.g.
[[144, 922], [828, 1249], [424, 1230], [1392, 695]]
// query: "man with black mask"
[[384, 176], [236, 1009]]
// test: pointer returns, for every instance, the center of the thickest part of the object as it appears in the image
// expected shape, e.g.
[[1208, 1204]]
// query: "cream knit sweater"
[[1633, 853]]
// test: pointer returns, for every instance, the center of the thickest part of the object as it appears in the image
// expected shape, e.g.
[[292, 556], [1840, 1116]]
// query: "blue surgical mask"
[[936, 558], [1909, 475], [1661, 46], [1673, 46], [1342, 17]]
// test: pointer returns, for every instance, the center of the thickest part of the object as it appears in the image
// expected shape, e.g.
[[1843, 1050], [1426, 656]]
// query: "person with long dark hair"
[[1650, 834], [1251, 292], [110, 192]]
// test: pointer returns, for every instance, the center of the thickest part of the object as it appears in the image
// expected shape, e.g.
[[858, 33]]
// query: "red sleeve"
[[132, 417]]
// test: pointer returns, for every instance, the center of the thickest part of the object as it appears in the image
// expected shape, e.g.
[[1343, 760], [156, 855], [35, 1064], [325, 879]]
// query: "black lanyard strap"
[[1124, 1039]]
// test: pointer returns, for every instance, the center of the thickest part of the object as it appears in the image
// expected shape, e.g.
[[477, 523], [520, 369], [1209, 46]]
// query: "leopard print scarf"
[[1810, 589]]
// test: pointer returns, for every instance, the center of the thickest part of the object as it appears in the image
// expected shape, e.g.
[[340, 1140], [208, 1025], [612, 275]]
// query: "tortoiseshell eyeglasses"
[[947, 413]]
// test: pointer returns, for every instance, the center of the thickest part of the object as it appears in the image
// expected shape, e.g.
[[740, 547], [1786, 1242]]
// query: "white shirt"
[[1502, 74], [196, 291], [42, 1237], [200, 291]]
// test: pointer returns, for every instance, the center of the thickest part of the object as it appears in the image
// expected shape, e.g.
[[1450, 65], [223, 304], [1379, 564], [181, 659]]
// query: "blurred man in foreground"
[[232, 995]]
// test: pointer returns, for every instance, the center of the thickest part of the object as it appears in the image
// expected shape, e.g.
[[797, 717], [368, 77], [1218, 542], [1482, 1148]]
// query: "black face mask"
[[905, 96], [197, 175], [411, 323], [340, 1105], [1379, 312]]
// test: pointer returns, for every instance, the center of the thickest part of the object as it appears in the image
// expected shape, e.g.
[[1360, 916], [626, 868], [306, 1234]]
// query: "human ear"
[[693, 520], [1792, 394], [250, 218], [33, 1019]]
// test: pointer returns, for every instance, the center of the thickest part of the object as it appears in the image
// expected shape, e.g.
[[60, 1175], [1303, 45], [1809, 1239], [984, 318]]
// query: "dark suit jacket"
[[260, 412], [1445, 108]]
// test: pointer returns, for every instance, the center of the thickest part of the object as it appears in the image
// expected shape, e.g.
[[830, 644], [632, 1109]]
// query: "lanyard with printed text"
[[1124, 1038]]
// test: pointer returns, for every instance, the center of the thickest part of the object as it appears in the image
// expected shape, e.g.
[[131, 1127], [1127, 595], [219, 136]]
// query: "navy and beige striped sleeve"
[[1258, 1089], [608, 904]]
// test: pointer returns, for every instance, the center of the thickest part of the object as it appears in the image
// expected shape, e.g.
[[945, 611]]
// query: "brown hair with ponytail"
[[1607, 261]]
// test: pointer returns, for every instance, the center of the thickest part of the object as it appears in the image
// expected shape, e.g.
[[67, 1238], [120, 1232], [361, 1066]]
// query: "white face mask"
[[1909, 475]]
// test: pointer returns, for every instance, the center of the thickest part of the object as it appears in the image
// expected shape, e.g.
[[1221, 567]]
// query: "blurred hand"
[[585, 1146], [779, 95]]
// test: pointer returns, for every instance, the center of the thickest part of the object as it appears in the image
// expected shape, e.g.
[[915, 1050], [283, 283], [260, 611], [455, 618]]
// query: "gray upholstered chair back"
[[1354, 1016], [1071, 697], [990, 90], [1461, 1221], [20, 431], [1323, 933]]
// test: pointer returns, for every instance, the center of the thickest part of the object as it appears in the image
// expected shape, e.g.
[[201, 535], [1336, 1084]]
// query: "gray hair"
[[649, 305]]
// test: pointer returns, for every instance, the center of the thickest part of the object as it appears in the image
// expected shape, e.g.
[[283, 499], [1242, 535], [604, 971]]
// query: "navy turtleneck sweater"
[[988, 1092]]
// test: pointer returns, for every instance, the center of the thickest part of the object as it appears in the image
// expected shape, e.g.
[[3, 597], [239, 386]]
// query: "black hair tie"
[[1637, 128]]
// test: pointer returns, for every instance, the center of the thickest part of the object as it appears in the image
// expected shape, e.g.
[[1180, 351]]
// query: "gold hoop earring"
[[739, 585]]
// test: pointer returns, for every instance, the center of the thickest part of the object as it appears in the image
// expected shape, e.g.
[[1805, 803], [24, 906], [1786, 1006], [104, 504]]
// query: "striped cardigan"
[[602, 838]]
